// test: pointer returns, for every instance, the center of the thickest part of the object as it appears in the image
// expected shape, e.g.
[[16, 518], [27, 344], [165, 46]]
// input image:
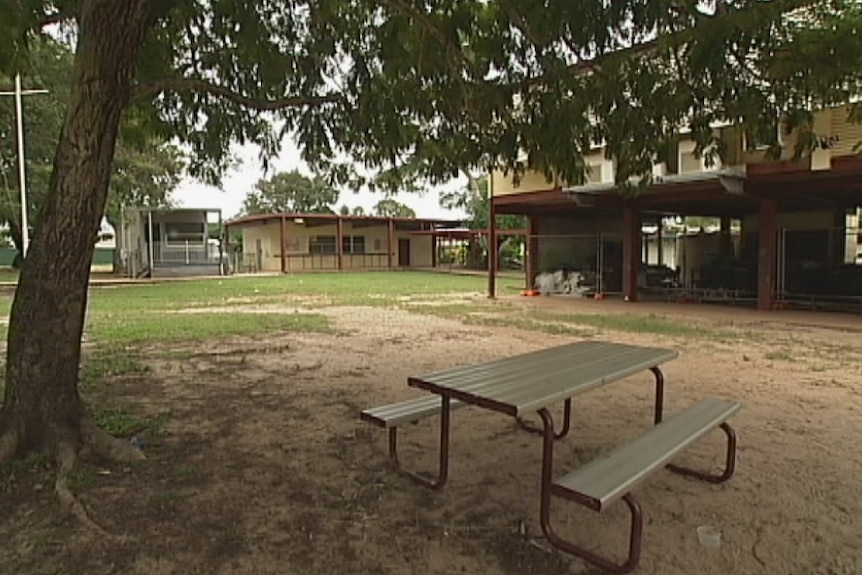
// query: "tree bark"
[[42, 409]]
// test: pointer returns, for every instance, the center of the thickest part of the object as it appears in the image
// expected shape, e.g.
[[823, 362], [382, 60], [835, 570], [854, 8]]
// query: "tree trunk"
[[42, 409]]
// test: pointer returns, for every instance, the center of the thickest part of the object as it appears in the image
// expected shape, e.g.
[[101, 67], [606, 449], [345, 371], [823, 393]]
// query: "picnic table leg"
[[443, 465], [729, 464], [567, 422], [635, 534], [659, 394]]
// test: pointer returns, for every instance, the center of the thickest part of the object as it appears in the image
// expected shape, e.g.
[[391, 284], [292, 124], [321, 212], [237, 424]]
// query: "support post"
[[532, 266], [391, 242], [150, 246], [631, 252], [282, 237], [659, 240], [492, 250], [767, 252], [339, 241], [434, 251], [726, 244]]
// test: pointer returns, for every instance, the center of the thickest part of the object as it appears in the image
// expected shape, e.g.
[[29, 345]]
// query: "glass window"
[[322, 245]]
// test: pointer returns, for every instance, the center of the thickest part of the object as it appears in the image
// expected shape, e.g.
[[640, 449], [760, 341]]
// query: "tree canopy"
[[405, 88], [475, 200], [389, 208], [146, 168], [290, 192]]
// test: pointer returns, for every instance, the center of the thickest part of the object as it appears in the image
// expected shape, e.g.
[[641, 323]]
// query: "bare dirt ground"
[[263, 466]]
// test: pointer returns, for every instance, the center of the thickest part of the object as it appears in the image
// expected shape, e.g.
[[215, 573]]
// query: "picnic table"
[[534, 382]]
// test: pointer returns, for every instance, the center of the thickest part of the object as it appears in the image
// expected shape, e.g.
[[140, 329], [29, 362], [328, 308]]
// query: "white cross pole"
[[22, 173]]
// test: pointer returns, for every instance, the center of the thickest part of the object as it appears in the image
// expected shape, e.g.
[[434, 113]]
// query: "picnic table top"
[[525, 383]]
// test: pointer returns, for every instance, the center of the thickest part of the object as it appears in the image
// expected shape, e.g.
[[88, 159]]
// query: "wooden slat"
[[525, 383], [605, 480], [397, 414]]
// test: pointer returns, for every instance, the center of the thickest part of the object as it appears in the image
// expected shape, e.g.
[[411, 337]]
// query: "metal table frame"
[[475, 385]]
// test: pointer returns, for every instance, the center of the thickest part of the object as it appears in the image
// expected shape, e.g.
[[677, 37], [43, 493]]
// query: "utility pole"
[[22, 172]]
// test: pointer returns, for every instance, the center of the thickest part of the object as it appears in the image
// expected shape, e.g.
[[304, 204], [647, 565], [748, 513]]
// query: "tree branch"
[[151, 90]]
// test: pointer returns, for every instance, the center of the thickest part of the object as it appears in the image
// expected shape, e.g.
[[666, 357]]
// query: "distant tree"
[[291, 192], [344, 210], [389, 208], [358, 211], [474, 200]]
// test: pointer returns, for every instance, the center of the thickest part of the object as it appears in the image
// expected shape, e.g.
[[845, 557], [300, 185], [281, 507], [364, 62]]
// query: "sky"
[[237, 183]]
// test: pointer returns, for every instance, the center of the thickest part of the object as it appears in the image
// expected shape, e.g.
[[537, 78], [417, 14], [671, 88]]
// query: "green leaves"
[[290, 192]]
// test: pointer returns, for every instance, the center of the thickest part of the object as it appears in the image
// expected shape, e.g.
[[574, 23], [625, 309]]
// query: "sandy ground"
[[265, 468]]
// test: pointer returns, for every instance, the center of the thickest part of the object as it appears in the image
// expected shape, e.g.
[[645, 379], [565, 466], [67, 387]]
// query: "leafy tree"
[[389, 208], [291, 192], [474, 200], [358, 211], [407, 88], [146, 169], [344, 210]]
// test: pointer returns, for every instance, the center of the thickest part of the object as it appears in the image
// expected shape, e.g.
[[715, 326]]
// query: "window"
[[322, 245], [353, 244], [182, 232]]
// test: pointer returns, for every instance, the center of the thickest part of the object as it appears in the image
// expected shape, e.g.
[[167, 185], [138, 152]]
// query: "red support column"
[[492, 250], [282, 238], [391, 242], [767, 252], [532, 267], [632, 238], [339, 242]]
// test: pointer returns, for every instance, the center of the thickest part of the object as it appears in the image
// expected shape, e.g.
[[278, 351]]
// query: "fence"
[[819, 268], [101, 256], [597, 259]]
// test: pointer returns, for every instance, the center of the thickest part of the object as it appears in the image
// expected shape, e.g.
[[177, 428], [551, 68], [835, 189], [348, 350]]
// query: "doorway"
[[403, 252]]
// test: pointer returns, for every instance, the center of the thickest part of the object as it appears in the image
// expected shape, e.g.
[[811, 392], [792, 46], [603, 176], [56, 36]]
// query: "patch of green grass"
[[337, 287], [11, 470], [121, 422], [81, 478], [185, 471], [529, 325], [166, 499], [634, 323], [107, 362], [779, 355], [167, 326]]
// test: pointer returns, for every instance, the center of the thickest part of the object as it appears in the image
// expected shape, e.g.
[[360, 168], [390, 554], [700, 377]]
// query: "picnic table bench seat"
[[607, 479], [403, 412], [393, 415]]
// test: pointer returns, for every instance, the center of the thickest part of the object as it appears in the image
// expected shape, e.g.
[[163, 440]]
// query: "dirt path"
[[265, 468]]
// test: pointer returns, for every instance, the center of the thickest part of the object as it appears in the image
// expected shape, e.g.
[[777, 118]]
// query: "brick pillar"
[[632, 238], [767, 254]]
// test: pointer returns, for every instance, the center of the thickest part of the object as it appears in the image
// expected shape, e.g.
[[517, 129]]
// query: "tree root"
[[67, 455], [8, 445], [100, 444], [107, 446]]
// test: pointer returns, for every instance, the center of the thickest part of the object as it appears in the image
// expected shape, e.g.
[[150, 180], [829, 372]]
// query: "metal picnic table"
[[534, 381]]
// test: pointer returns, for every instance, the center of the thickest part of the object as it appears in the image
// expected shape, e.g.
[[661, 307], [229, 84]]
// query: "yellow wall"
[[297, 237], [504, 184], [829, 122], [269, 258]]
